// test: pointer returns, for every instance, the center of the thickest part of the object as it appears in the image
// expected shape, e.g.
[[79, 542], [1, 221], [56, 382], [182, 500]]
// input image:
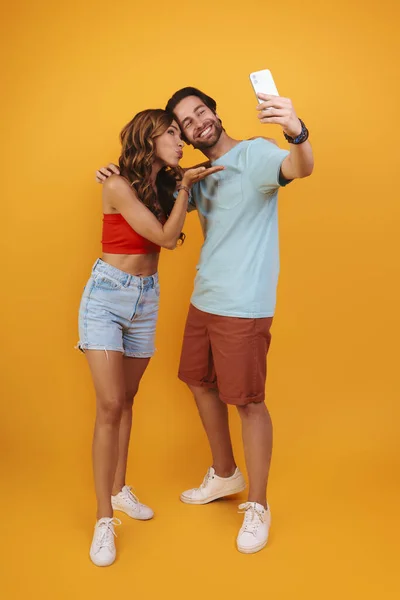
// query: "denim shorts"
[[119, 312]]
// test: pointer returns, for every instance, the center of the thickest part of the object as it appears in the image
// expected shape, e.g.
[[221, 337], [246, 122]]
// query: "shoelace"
[[253, 517], [130, 496], [105, 533], [206, 479]]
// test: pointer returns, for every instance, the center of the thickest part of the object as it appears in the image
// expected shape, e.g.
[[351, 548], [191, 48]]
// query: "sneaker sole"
[[101, 564], [131, 516], [187, 500], [253, 550]]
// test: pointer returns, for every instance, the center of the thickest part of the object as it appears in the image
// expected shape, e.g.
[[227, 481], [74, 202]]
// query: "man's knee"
[[252, 410], [200, 391]]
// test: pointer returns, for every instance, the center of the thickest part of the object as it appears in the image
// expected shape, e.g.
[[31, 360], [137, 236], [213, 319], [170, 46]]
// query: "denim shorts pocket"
[[105, 282]]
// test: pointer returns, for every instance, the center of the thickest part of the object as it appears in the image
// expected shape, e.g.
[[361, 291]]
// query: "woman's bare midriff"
[[141, 265]]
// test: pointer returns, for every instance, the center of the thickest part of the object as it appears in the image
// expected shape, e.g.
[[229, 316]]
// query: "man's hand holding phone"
[[280, 111]]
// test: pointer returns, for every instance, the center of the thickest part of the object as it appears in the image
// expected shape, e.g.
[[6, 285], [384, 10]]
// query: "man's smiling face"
[[199, 124]]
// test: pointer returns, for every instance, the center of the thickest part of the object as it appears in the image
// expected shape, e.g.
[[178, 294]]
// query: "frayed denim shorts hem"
[[84, 347]]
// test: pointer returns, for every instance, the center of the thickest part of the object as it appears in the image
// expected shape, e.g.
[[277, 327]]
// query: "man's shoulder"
[[263, 149], [262, 143]]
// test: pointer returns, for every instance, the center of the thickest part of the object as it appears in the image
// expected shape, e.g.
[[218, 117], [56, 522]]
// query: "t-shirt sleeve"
[[264, 161]]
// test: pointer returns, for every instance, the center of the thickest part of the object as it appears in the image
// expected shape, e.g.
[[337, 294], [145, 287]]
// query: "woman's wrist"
[[185, 182], [184, 186]]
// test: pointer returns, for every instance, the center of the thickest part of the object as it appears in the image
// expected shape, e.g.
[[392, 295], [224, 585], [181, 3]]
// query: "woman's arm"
[[119, 194]]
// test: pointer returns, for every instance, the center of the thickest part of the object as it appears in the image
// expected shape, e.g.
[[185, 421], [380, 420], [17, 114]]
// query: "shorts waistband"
[[125, 279]]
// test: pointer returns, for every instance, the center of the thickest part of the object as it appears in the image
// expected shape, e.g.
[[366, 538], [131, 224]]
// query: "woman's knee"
[[109, 409], [130, 397]]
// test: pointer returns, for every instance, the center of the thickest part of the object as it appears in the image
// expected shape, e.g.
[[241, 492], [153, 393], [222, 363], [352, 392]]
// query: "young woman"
[[119, 306]]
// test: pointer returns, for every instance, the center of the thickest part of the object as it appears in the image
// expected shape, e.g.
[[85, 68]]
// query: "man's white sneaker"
[[102, 550], [253, 534], [127, 502], [214, 487]]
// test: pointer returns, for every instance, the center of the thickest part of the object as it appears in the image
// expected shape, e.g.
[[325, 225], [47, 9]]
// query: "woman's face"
[[169, 146]]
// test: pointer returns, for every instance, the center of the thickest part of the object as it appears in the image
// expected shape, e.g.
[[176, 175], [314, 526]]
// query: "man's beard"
[[199, 144]]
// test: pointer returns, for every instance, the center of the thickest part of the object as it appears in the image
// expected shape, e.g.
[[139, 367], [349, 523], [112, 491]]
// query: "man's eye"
[[187, 124], [202, 112]]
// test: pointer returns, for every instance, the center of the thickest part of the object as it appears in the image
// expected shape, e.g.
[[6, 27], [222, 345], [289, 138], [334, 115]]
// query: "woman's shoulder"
[[115, 182], [117, 193]]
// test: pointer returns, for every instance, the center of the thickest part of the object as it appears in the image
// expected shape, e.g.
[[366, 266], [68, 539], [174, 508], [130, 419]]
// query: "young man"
[[227, 333]]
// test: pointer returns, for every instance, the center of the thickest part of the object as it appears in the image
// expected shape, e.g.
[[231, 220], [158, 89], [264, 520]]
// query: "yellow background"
[[72, 76]]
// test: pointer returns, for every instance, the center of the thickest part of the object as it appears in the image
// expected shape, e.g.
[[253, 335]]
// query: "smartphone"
[[262, 81]]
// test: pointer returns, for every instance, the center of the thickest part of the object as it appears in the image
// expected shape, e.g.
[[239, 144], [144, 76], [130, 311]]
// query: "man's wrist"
[[300, 138], [295, 131]]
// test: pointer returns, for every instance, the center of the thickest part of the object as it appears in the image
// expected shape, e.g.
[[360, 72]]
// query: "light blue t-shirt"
[[237, 274]]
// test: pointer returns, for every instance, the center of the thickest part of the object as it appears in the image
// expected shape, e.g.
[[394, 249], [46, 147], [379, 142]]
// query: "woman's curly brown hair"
[[137, 157]]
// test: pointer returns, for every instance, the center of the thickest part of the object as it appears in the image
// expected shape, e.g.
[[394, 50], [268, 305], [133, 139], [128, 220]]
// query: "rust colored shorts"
[[226, 353]]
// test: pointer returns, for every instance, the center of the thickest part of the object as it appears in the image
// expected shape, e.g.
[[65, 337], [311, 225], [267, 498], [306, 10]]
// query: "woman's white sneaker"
[[102, 550], [214, 487], [127, 502], [253, 534]]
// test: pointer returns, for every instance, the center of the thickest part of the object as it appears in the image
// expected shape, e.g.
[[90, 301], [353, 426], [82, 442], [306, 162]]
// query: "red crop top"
[[120, 238]]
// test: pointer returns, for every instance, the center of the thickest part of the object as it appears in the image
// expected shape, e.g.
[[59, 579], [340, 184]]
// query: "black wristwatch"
[[301, 138]]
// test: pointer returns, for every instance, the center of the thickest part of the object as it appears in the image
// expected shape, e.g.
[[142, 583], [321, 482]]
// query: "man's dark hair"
[[190, 91]]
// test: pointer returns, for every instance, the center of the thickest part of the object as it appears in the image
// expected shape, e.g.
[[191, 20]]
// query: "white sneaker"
[[127, 502], [102, 550], [214, 487], [253, 535]]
